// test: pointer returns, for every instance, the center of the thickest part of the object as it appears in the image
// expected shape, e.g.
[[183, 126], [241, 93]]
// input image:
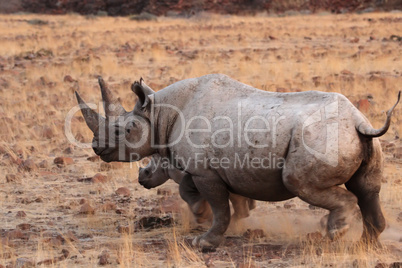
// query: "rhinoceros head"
[[155, 173], [120, 136]]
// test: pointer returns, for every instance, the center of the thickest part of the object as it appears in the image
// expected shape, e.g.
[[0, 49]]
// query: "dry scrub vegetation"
[[54, 212]]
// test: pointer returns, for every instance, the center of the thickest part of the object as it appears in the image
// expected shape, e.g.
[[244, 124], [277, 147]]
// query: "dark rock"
[[24, 226], [314, 237], [123, 191], [11, 178], [93, 158], [21, 214], [152, 222], [15, 234], [104, 258], [44, 164], [288, 205], [69, 79], [28, 165], [63, 161], [87, 209]]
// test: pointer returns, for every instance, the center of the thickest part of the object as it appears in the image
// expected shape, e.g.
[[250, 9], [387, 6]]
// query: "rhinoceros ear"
[[143, 92]]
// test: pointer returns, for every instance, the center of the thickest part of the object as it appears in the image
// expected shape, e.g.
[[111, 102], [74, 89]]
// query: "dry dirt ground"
[[55, 212]]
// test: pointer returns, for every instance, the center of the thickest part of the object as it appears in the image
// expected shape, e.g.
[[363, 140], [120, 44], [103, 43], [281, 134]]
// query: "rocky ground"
[[61, 206]]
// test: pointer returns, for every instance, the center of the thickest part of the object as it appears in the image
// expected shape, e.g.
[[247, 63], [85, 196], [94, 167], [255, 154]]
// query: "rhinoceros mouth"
[[103, 151]]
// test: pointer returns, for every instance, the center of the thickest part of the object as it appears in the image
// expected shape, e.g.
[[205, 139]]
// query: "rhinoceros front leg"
[[217, 195], [197, 204]]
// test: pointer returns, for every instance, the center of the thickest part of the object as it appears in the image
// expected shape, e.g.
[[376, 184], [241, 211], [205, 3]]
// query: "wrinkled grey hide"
[[158, 171], [282, 145]]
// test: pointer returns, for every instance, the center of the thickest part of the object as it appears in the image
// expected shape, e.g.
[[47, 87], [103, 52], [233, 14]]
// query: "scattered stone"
[[123, 191], [11, 178], [68, 150], [44, 164], [99, 178], [395, 38], [87, 209], [15, 234], [21, 214], [28, 165], [152, 222], [253, 234], [314, 237], [104, 258], [121, 211], [288, 205], [397, 264], [62, 161], [123, 229], [108, 206], [346, 72], [69, 79], [93, 158], [317, 80], [83, 201], [24, 226], [47, 132]]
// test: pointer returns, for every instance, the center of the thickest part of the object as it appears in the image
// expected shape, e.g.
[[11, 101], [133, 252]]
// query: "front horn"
[[93, 119], [111, 104]]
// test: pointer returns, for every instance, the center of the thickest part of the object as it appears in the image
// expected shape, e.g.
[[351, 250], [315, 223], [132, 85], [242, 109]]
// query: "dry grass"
[[327, 53]]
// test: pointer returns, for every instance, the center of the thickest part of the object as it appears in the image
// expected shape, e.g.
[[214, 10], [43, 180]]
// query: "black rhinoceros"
[[159, 170], [263, 145]]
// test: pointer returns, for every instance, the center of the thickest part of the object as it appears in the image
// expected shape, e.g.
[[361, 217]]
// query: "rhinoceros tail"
[[365, 129]]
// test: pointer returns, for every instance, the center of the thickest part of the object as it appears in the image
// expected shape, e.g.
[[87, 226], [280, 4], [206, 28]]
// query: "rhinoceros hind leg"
[[340, 202], [217, 195], [366, 184], [241, 206]]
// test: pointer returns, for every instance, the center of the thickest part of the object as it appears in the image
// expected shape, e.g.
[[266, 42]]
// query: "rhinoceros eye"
[[128, 129]]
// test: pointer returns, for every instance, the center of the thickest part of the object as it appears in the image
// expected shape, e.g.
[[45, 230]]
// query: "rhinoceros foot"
[[338, 232], [201, 211], [208, 241]]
